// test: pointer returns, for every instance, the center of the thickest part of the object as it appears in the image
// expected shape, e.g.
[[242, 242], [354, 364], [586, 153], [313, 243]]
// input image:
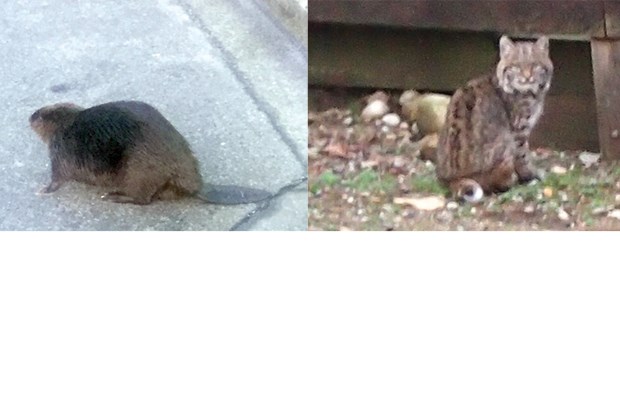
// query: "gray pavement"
[[224, 72]]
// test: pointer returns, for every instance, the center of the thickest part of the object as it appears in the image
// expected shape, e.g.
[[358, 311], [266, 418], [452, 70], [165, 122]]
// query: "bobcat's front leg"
[[523, 166]]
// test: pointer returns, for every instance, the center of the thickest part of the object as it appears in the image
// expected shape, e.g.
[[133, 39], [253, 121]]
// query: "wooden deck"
[[578, 100]]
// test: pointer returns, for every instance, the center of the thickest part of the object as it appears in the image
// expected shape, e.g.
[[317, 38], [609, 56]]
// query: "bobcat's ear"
[[505, 46], [543, 43]]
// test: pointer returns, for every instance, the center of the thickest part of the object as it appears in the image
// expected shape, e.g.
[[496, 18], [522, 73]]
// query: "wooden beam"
[[577, 18], [606, 65], [612, 19], [356, 56]]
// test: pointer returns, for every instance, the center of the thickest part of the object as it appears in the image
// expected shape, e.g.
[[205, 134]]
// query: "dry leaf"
[[424, 203], [336, 149], [369, 164]]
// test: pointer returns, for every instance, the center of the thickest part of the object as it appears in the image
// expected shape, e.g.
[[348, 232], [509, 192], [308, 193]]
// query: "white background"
[[309, 325]]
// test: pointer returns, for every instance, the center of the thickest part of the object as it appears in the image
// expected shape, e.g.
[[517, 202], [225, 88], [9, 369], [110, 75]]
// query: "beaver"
[[130, 148]]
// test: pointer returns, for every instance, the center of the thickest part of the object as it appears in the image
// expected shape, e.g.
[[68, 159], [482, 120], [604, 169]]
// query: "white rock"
[[375, 109], [558, 170], [452, 205], [563, 215], [348, 121], [588, 159], [529, 209], [399, 162], [391, 120], [614, 213], [408, 96]]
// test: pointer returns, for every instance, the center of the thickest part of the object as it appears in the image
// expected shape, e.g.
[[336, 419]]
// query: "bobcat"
[[483, 146]]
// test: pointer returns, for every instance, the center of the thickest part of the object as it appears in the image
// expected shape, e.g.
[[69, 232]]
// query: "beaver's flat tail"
[[232, 194]]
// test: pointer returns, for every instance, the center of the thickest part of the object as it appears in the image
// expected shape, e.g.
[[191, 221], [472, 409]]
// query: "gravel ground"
[[371, 176]]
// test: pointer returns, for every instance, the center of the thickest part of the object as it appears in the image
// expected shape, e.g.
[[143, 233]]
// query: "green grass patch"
[[577, 183], [525, 192], [428, 184], [326, 179], [372, 181], [568, 181]]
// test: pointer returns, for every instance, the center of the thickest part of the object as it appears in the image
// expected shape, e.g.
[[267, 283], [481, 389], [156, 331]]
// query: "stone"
[[428, 147], [614, 213], [391, 120], [427, 110], [558, 170], [399, 162], [374, 110], [588, 159], [548, 192]]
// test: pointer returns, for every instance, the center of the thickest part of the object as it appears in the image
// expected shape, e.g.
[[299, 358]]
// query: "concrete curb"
[[293, 14]]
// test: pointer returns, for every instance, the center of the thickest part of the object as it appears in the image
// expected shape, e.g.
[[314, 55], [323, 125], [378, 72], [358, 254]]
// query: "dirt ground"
[[370, 176]]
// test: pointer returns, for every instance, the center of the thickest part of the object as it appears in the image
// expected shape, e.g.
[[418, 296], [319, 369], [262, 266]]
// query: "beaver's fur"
[[129, 147]]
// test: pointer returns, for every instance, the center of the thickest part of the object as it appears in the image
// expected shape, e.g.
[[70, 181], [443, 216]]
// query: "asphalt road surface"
[[224, 72]]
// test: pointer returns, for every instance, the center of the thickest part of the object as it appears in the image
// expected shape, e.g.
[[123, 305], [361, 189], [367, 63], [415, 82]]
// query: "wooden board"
[[612, 19], [568, 123], [397, 59], [606, 65], [580, 19]]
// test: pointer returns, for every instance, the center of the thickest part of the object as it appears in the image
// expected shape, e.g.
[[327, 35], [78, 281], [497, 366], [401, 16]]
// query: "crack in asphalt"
[[256, 214], [248, 88]]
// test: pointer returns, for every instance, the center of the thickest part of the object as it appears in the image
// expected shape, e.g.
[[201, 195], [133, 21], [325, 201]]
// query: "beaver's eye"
[[35, 115]]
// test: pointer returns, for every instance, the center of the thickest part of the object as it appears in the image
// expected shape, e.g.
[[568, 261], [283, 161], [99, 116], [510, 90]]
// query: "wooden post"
[[606, 66]]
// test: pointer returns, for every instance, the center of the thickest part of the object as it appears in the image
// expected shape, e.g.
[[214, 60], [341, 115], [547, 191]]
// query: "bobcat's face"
[[524, 67]]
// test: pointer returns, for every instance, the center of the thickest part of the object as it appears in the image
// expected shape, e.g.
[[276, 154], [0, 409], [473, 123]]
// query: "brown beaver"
[[129, 147]]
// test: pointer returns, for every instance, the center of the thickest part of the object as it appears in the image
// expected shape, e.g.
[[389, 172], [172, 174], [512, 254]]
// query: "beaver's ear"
[[506, 46], [36, 114]]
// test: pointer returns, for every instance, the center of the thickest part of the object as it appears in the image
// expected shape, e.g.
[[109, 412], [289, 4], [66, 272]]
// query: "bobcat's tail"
[[467, 189]]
